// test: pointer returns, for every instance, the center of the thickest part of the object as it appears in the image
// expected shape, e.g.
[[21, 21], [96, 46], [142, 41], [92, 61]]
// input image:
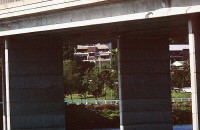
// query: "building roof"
[[98, 45], [178, 63]]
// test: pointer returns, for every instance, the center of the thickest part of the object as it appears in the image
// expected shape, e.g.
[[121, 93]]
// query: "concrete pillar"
[[1, 88], [194, 44], [34, 84], [144, 79]]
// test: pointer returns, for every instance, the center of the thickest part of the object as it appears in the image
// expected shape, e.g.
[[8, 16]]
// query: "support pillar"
[[34, 84], [144, 79], [194, 45]]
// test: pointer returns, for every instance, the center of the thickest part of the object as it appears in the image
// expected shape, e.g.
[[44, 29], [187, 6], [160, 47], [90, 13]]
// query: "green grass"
[[89, 97], [180, 95], [109, 96]]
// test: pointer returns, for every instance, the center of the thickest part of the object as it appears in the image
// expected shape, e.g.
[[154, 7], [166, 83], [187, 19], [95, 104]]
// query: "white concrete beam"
[[37, 6], [122, 18], [40, 24]]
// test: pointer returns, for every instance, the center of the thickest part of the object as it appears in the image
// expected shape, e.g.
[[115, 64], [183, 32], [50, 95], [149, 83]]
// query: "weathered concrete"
[[35, 19], [34, 97], [145, 100], [194, 43], [34, 84]]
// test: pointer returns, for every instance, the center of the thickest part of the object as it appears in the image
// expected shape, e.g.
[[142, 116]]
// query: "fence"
[[181, 99], [8, 1], [83, 101]]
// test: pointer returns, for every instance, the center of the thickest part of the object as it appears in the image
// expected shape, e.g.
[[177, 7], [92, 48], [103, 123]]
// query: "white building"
[[98, 53]]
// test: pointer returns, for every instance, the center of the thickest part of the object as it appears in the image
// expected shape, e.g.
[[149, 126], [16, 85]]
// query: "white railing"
[[8, 1], [181, 99], [85, 101]]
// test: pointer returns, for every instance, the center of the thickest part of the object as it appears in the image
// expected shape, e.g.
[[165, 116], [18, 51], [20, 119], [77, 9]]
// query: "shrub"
[[182, 113]]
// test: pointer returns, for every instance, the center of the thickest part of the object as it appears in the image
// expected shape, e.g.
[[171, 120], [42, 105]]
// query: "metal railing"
[[8, 1], [83, 101], [181, 99]]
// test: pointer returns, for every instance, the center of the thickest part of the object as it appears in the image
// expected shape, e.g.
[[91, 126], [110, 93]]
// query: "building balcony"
[[104, 52], [89, 60], [81, 54], [105, 59]]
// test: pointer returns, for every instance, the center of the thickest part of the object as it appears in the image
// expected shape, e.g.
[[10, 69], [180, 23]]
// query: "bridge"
[[32, 33]]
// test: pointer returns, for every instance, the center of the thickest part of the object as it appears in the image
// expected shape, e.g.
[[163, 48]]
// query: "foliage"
[[98, 80], [181, 77], [92, 116], [83, 78], [114, 60], [107, 115], [68, 51], [72, 79], [182, 113], [94, 82]]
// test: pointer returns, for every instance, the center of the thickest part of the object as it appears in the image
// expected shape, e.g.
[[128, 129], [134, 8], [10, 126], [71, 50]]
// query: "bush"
[[92, 116], [101, 107], [182, 113], [107, 115]]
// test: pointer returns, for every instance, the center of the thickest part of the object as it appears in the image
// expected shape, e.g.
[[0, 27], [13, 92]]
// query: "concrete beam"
[[93, 15]]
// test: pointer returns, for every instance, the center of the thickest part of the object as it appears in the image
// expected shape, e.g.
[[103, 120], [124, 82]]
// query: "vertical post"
[[193, 40], [119, 83], [3, 88], [7, 96]]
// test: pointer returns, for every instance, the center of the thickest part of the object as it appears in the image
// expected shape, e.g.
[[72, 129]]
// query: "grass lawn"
[[180, 95], [109, 96], [89, 97]]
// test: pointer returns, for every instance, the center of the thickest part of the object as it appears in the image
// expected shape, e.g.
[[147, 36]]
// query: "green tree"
[[72, 77], [180, 77], [114, 74], [95, 82], [98, 80], [114, 59], [68, 51]]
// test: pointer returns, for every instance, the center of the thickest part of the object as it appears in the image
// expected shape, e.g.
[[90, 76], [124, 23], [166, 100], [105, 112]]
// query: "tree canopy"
[[180, 77]]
